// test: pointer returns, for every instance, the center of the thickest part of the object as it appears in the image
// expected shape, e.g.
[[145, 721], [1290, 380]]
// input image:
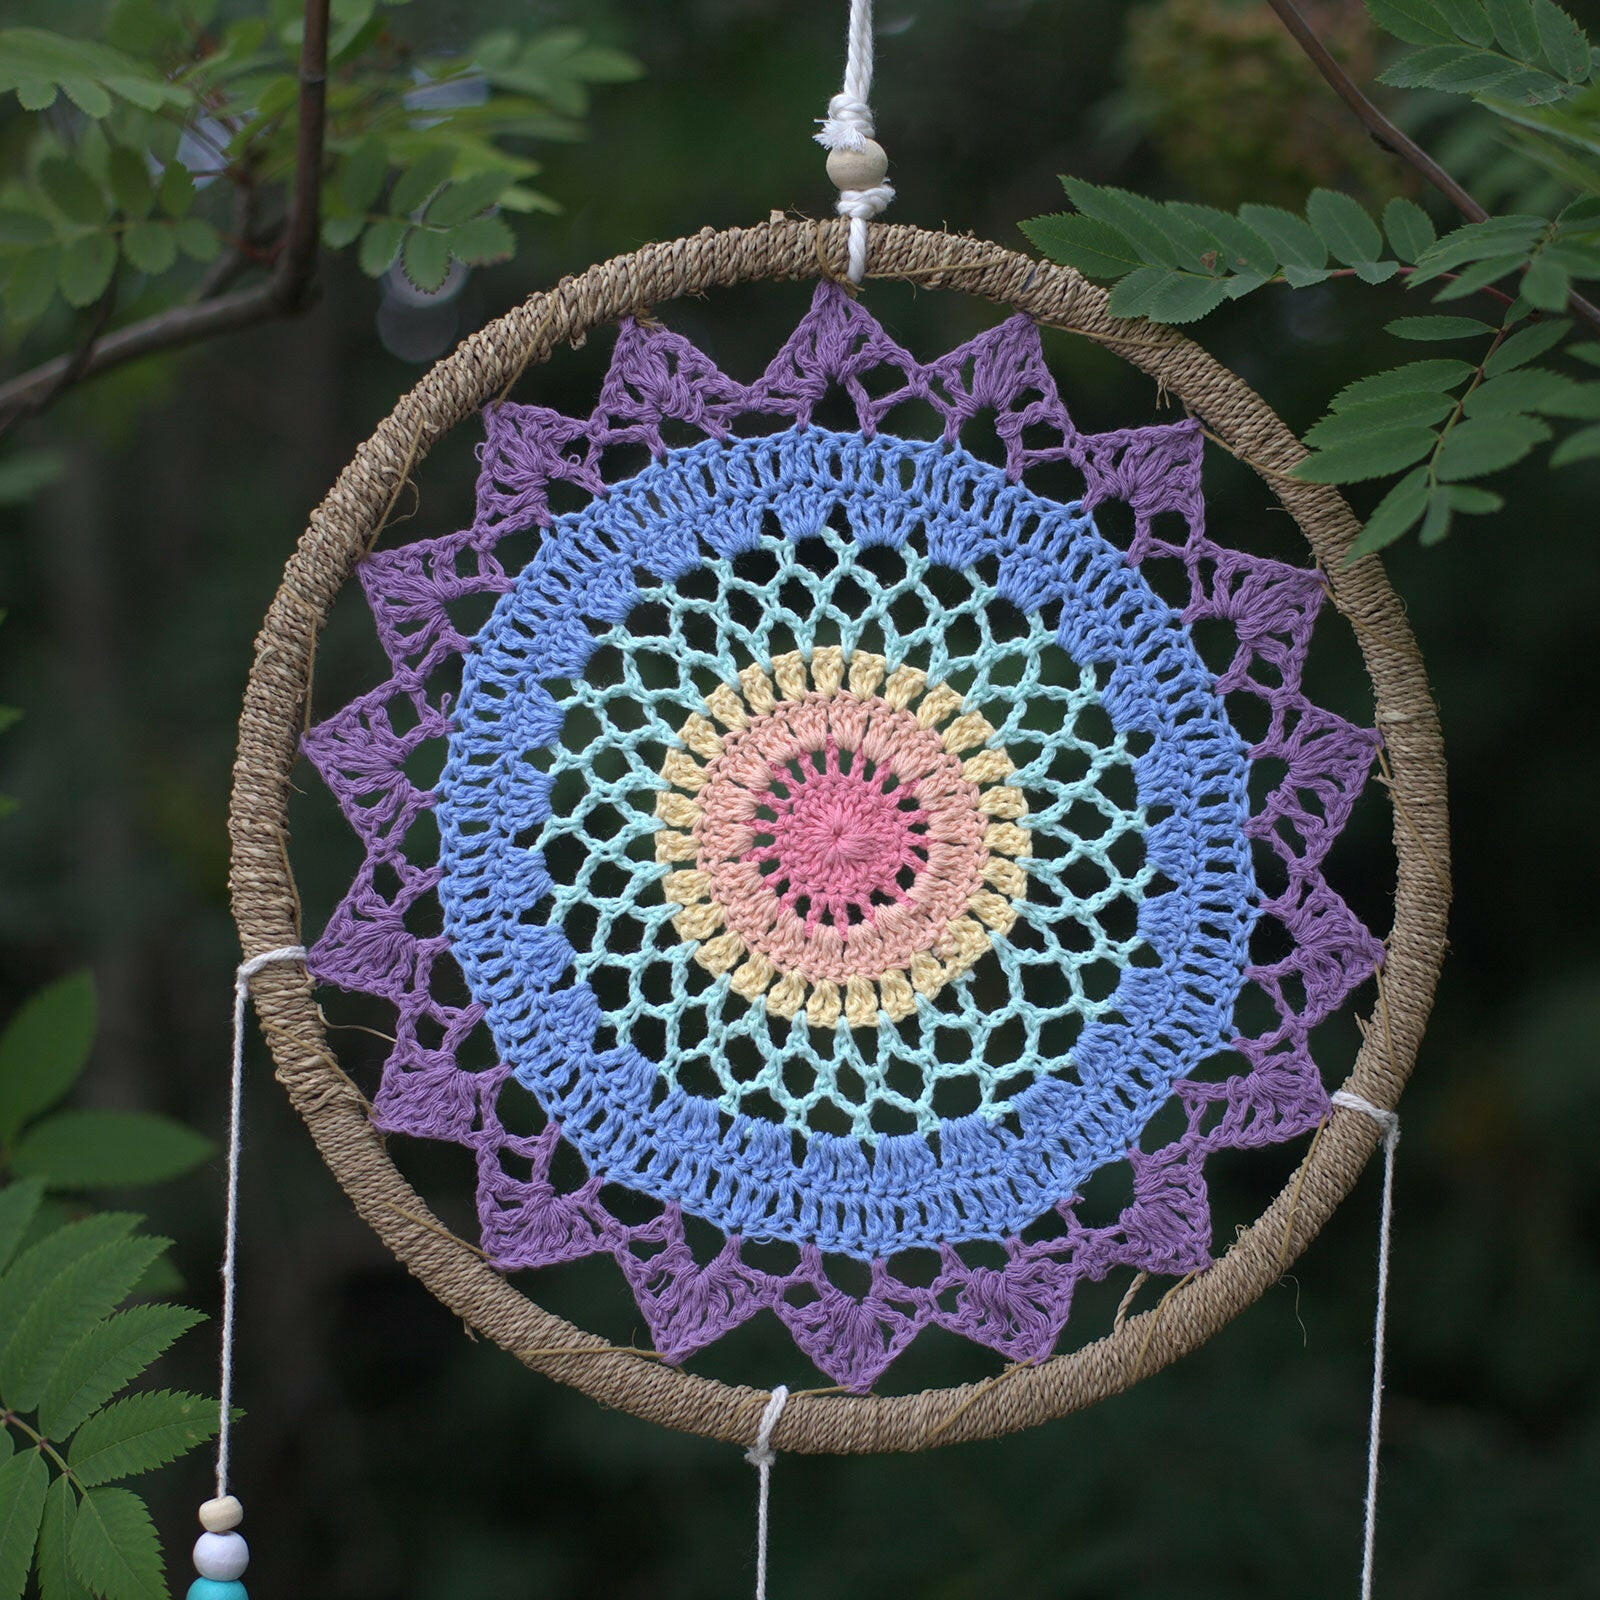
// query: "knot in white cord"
[[848, 124], [1388, 1121], [856, 162], [761, 1455], [864, 204]]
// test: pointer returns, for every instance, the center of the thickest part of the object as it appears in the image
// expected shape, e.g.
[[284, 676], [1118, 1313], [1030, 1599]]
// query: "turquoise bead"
[[210, 1589]]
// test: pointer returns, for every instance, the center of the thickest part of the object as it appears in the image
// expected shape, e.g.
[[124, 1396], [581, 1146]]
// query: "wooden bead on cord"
[[864, 168]]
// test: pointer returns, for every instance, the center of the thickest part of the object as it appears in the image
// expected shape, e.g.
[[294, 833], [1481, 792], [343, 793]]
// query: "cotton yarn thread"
[[761, 1456], [857, 163], [220, 1553], [1389, 1123]]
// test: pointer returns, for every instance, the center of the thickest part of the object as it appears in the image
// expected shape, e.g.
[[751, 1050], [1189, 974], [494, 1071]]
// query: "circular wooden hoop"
[[266, 907]]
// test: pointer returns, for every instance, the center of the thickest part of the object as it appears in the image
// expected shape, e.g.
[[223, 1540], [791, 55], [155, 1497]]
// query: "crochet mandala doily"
[[843, 845]]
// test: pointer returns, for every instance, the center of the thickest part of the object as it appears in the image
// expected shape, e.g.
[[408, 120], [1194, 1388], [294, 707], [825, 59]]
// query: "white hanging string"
[[863, 191], [1389, 1122], [230, 1235], [761, 1455]]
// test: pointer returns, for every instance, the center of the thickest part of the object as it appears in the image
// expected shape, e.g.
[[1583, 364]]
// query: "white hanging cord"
[[220, 1553], [761, 1455], [857, 163], [1389, 1122]]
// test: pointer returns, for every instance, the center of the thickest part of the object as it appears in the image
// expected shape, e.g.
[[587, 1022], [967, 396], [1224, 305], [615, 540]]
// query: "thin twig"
[[1388, 135], [287, 292]]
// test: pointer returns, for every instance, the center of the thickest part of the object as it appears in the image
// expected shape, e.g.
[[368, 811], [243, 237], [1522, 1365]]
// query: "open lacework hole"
[[850, 869]]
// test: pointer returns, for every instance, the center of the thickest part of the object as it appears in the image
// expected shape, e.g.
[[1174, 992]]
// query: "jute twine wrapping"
[[267, 910]]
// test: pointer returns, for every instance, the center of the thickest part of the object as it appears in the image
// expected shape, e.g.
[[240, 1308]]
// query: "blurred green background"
[[389, 1456]]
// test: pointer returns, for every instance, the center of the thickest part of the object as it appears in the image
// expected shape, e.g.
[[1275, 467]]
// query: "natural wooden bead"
[[865, 168], [219, 1516]]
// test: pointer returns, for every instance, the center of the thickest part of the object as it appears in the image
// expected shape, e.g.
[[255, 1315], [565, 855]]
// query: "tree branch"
[[1387, 134], [286, 293]]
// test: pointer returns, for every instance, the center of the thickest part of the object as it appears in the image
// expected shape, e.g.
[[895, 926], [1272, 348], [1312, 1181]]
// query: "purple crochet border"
[[528, 1219]]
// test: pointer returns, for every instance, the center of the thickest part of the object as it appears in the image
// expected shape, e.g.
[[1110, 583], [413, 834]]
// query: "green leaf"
[[198, 239], [1161, 237], [1394, 514], [339, 233], [29, 290], [1475, 502], [41, 1263], [151, 247], [1373, 455], [24, 1482], [1588, 351], [43, 1049], [1466, 20], [482, 241], [1526, 344], [1415, 21], [108, 1149], [175, 192], [1295, 240], [65, 1309], [87, 263], [1435, 328], [1344, 226], [467, 198], [1409, 227], [1486, 444], [1243, 249], [1563, 42], [138, 1434], [1304, 277], [24, 228], [1580, 446], [1167, 296], [1407, 409], [361, 176], [416, 185], [57, 1580], [73, 191], [380, 244], [1451, 69], [1436, 523], [1478, 241], [1096, 250], [1477, 276], [1514, 27], [130, 182], [19, 1203], [425, 259], [107, 1358], [1581, 400], [114, 1548], [1526, 390], [1414, 377], [1375, 271], [1545, 284]]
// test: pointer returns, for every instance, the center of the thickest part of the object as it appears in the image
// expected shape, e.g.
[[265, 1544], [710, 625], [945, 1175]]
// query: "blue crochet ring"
[[664, 544], [211, 1589]]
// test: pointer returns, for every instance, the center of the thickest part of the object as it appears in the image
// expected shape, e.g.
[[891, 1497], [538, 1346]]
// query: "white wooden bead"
[[222, 1557], [865, 168], [219, 1516]]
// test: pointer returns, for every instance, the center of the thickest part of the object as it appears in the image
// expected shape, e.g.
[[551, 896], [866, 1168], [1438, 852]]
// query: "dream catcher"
[[840, 847]]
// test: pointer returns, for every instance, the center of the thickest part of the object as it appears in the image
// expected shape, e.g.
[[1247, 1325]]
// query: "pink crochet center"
[[782, 822], [839, 841]]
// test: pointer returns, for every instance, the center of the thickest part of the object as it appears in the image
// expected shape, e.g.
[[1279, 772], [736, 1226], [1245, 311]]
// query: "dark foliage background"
[[387, 1456]]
